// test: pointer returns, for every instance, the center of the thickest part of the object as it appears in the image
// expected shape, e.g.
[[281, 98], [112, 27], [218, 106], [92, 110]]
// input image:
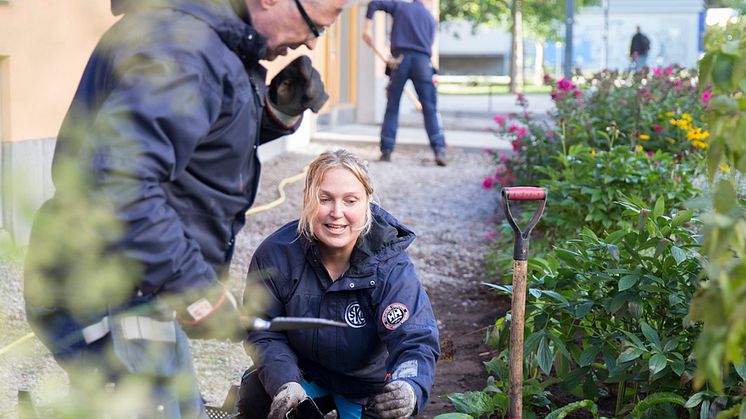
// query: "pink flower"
[[500, 119], [487, 183], [513, 128], [564, 84], [491, 235], [504, 158], [657, 71], [657, 128], [578, 93], [650, 154], [706, 96], [668, 70]]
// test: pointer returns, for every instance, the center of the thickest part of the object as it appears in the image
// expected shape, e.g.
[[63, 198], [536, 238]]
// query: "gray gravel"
[[447, 208]]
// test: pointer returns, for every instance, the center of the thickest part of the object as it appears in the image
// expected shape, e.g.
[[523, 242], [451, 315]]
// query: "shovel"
[[518, 303]]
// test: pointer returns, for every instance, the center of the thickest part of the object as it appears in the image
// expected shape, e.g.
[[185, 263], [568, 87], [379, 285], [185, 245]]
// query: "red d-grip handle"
[[525, 193]]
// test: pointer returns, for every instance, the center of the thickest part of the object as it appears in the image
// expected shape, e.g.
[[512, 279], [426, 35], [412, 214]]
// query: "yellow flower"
[[669, 114], [638, 149], [724, 168], [593, 153], [644, 137], [699, 144], [686, 117], [670, 140]]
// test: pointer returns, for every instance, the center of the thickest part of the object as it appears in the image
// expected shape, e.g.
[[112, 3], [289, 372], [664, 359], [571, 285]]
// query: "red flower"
[[657, 128]]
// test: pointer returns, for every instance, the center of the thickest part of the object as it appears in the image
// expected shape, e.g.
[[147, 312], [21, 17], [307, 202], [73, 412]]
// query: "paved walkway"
[[467, 120]]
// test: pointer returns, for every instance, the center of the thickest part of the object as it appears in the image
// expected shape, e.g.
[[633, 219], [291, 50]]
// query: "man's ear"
[[266, 4]]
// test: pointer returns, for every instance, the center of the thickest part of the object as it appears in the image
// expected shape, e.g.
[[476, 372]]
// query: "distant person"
[[344, 259], [412, 37], [638, 50]]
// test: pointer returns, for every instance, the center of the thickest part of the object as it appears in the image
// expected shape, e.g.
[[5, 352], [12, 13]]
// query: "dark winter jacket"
[[640, 44], [413, 27], [165, 126], [391, 326]]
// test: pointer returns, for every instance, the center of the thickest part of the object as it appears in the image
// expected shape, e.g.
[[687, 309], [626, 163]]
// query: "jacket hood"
[[386, 239], [228, 18]]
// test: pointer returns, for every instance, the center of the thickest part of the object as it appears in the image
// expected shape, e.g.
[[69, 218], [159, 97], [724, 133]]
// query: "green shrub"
[[612, 310]]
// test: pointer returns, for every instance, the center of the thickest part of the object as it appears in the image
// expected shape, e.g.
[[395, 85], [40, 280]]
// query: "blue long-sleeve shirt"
[[413, 26]]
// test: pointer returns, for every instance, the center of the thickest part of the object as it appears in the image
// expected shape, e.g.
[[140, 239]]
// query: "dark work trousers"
[[254, 402], [417, 67]]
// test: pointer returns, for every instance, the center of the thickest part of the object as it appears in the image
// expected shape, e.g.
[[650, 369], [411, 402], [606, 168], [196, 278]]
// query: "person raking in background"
[[162, 133], [412, 36], [345, 259]]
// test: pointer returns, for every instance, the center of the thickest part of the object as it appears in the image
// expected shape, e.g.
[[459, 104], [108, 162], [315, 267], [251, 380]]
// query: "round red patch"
[[394, 315]]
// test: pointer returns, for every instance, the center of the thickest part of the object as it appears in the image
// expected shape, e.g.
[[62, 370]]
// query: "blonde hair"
[[337, 159]]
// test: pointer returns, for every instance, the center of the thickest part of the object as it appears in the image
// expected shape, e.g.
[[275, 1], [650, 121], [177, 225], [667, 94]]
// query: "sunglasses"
[[312, 26]]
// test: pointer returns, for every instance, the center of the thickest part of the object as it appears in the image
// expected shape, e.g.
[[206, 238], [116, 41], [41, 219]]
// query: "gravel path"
[[446, 207]]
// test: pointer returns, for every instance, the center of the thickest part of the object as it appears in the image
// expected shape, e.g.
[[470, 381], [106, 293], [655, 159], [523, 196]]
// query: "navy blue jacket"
[[391, 326], [165, 126], [413, 27]]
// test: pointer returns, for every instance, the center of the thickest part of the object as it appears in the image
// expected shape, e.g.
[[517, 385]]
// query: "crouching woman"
[[345, 259]]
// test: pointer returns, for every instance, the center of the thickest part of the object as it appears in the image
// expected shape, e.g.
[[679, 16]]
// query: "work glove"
[[396, 401], [211, 313], [288, 396], [296, 88]]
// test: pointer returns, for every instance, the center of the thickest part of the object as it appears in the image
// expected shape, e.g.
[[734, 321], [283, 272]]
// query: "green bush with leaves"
[[657, 109], [721, 303], [609, 314], [585, 188]]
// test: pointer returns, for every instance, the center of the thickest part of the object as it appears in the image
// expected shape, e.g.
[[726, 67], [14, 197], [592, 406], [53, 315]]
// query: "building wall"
[[44, 46], [673, 27]]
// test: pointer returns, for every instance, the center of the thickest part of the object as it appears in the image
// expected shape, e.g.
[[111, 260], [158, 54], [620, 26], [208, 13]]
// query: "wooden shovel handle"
[[517, 312]]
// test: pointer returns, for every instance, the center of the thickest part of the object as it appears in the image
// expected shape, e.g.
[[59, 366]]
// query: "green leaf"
[[630, 354], [695, 400], [725, 197], [723, 104], [704, 410], [628, 281], [678, 367], [544, 356], [650, 334], [454, 416], [657, 363], [741, 370], [722, 72], [583, 309], [678, 254], [660, 206], [655, 399], [563, 411], [589, 355]]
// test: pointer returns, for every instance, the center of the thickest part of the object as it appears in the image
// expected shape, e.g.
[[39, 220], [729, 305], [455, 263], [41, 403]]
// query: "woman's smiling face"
[[343, 204]]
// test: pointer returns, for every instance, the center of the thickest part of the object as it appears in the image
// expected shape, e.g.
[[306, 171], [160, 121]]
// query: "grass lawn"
[[483, 89]]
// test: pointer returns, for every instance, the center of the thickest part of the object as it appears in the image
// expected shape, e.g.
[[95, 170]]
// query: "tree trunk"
[[539, 63], [516, 50]]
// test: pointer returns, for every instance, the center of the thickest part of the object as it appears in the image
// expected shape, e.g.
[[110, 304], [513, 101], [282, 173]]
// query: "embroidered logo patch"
[[394, 315], [354, 316]]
